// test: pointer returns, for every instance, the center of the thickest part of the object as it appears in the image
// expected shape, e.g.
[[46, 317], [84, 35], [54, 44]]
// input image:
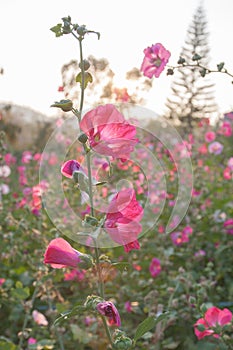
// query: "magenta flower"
[[122, 219], [156, 58], [131, 246], [59, 253], [69, 167], [179, 238], [155, 267], [108, 132], [210, 136], [108, 309], [230, 163], [228, 224], [213, 318], [215, 147]]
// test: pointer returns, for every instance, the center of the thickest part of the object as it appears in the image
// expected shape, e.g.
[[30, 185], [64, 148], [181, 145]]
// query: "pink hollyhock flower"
[[122, 219], [230, 163], [32, 341], [210, 136], [228, 173], [213, 318], [131, 246], [203, 149], [5, 171], [225, 129], [69, 167], [215, 147], [156, 58], [59, 253], [228, 224], [4, 188], [229, 115], [9, 159], [39, 318], [155, 267], [2, 280], [108, 309], [108, 132], [128, 306], [179, 238], [74, 275], [26, 157]]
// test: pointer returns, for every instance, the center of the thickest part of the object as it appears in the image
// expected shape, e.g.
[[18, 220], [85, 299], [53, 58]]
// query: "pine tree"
[[192, 94]]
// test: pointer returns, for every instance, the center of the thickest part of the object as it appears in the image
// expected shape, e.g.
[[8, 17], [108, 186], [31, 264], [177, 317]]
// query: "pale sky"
[[32, 56]]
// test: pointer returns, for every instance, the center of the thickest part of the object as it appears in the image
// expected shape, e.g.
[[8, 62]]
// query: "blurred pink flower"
[[9, 159], [4, 188], [59, 253], [228, 224], [74, 275], [210, 136], [26, 157], [32, 341], [179, 238], [225, 129], [155, 267], [2, 280], [230, 163], [156, 58], [5, 171], [122, 220], [108, 132], [108, 309], [128, 306], [203, 149], [213, 318], [228, 173], [39, 318], [215, 147]]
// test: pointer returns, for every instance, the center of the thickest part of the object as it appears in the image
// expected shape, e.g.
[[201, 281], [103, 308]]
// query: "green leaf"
[[77, 310], [20, 293], [148, 324], [220, 66], [87, 79], [6, 344], [121, 266], [57, 30]]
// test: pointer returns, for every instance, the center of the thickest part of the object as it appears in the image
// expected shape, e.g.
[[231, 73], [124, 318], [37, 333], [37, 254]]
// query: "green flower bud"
[[86, 261], [201, 327], [83, 138], [170, 71], [91, 220], [65, 105], [123, 344], [92, 301], [86, 65], [81, 30]]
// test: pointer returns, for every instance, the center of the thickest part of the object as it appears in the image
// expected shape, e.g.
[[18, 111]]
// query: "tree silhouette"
[[192, 92], [102, 89]]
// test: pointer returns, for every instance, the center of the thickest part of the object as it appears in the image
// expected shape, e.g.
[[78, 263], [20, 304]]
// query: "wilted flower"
[[108, 132], [213, 319], [108, 309], [156, 58], [122, 219], [155, 267]]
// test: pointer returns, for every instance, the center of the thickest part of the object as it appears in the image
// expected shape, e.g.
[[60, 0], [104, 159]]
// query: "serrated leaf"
[[87, 79], [148, 324]]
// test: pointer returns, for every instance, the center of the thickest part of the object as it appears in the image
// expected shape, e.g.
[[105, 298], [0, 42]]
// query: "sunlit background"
[[32, 57]]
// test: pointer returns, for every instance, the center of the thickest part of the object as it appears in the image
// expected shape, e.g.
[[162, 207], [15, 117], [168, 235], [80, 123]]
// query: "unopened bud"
[[83, 138], [86, 261], [85, 65], [124, 343], [65, 105]]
